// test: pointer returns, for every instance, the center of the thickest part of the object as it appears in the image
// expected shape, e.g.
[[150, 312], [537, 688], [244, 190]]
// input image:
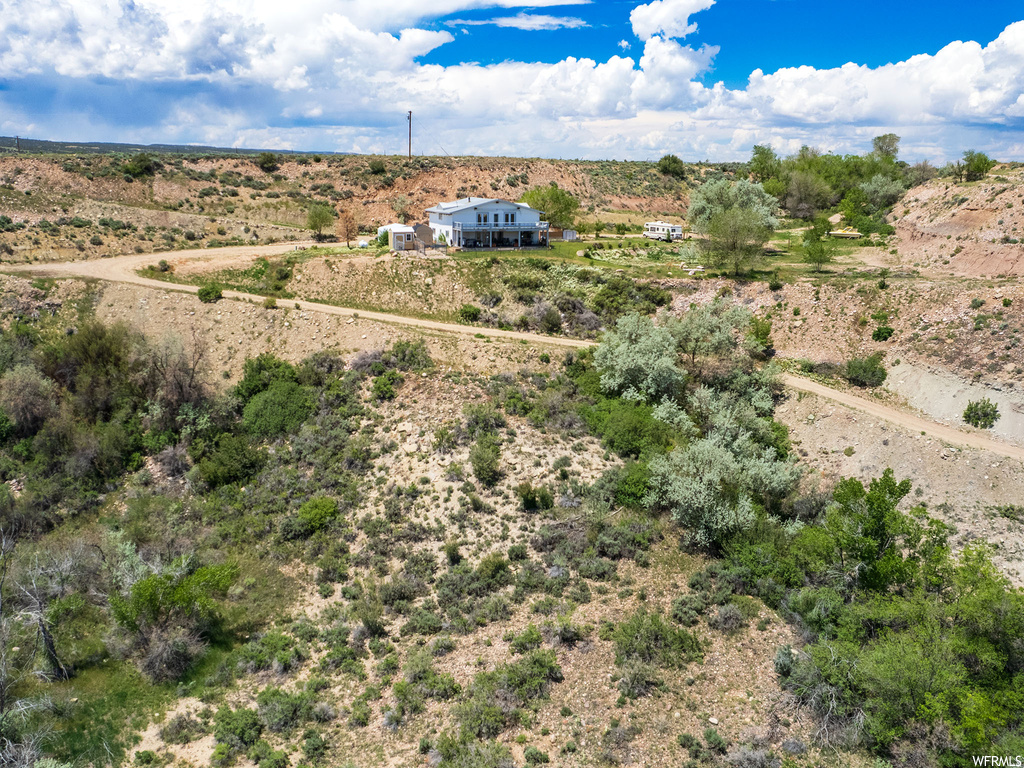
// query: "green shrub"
[[483, 419], [882, 333], [359, 716], [237, 729], [317, 513], [981, 413], [260, 373], [407, 356], [784, 661], [649, 638], [485, 458], [469, 313], [182, 729], [210, 293], [687, 609], [728, 618], [516, 685], [866, 371], [278, 410], [715, 741], [637, 678], [529, 639], [534, 499], [231, 460], [534, 756], [384, 386]]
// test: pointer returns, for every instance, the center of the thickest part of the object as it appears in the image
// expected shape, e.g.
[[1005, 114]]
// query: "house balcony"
[[541, 226], [500, 235]]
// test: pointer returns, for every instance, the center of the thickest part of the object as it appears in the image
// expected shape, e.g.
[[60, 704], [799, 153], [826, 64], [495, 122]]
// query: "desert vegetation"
[[608, 555]]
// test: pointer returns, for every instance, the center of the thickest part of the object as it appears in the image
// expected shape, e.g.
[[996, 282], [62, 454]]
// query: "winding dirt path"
[[903, 419], [123, 269]]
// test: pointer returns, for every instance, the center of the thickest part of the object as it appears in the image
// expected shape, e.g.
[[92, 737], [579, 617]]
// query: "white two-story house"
[[480, 222]]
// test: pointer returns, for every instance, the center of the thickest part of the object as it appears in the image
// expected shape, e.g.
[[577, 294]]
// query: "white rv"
[[662, 230]]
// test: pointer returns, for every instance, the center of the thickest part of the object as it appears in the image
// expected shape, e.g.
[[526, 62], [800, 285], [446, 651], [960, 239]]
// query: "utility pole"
[[410, 134]]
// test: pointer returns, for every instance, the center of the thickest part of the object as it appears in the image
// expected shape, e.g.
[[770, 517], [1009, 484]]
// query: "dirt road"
[[916, 423], [123, 269]]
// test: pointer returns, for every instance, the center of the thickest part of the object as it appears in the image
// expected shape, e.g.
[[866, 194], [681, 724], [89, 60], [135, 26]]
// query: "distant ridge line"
[[32, 146]]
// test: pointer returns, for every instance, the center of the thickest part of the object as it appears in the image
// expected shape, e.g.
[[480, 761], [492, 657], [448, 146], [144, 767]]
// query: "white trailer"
[[662, 230]]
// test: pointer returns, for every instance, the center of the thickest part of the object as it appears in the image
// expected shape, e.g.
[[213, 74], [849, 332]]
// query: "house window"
[[495, 218], [478, 219], [513, 218]]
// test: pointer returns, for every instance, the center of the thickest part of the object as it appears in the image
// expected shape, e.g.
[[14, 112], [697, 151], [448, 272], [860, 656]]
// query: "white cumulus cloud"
[[669, 18], [340, 74]]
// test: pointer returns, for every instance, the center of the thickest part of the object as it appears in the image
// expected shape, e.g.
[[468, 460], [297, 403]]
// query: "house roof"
[[471, 202]]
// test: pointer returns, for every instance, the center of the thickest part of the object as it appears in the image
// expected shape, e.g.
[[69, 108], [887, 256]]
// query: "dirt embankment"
[[971, 229]]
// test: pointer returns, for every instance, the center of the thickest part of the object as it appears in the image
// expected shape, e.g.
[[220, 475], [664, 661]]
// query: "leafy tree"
[[713, 485], [736, 238], [977, 165], [267, 162], [637, 360], [764, 164], [706, 333], [184, 592], [919, 173], [874, 541], [670, 165], [886, 146], [168, 612], [882, 191], [819, 249], [721, 195], [981, 413], [318, 218], [558, 205], [806, 194]]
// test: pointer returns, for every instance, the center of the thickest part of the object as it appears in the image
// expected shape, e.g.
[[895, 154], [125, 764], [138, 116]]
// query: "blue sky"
[[765, 34], [705, 79]]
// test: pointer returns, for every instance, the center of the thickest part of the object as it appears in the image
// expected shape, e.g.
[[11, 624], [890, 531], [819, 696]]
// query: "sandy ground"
[[943, 397]]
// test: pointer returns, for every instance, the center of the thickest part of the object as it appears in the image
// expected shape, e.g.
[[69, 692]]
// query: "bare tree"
[[49, 577], [179, 367], [347, 227], [8, 542]]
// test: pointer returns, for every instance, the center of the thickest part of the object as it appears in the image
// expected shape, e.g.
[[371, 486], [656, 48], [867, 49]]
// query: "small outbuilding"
[[402, 238]]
